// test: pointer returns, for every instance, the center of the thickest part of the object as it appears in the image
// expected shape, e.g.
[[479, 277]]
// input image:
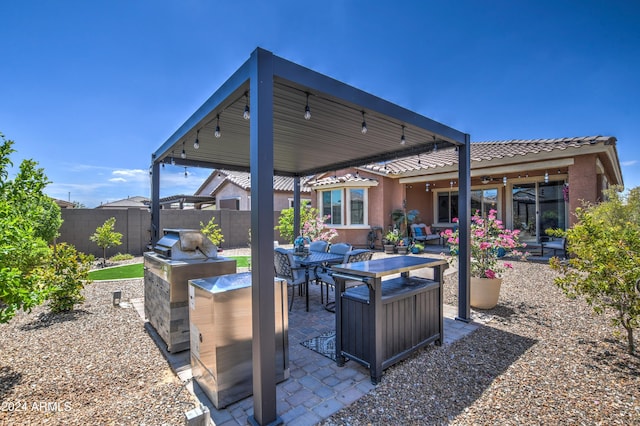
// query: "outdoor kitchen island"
[[387, 317]]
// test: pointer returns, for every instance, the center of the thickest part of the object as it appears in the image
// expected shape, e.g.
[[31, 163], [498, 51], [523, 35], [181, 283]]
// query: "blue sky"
[[89, 89]]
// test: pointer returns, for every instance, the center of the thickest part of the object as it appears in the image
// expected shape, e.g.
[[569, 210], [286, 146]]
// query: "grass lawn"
[[242, 261], [135, 270]]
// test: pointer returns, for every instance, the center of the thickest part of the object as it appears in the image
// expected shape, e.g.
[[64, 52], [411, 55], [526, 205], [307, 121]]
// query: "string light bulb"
[[217, 133], [196, 144], [504, 181], [546, 176], [364, 125], [185, 173], [173, 160], [247, 113], [307, 111], [427, 185], [403, 140], [183, 154]]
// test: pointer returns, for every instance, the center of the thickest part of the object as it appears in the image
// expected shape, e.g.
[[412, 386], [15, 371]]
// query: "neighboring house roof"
[[63, 204], [127, 203], [345, 180], [190, 199], [243, 180], [500, 153]]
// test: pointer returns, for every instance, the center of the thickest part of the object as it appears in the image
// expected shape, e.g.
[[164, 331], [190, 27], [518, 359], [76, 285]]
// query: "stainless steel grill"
[[185, 244], [180, 255]]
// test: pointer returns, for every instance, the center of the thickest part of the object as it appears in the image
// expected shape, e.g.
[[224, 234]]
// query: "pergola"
[[279, 138]]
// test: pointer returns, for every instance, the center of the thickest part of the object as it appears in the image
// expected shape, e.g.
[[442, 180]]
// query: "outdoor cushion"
[[417, 231]]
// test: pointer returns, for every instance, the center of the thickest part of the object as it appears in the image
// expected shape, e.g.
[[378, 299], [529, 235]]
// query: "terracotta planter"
[[402, 249], [485, 292], [388, 248]]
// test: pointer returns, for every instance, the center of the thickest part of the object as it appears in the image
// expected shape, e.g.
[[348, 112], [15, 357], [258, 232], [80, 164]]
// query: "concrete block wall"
[[135, 227]]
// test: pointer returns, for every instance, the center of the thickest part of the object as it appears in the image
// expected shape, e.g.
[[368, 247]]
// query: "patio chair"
[[340, 248], [285, 269], [422, 233], [319, 245], [555, 244], [325, 278]]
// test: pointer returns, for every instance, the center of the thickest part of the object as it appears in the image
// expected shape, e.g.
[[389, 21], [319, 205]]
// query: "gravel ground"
[[543, 359], [95, 365]]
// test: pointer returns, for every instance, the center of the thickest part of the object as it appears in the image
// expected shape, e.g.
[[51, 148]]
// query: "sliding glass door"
[[537, 207]]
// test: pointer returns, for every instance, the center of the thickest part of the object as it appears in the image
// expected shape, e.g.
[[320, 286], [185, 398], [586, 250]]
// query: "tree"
[[29, 219], [604, 261], [212, 231], [285, 221], [105, 237]]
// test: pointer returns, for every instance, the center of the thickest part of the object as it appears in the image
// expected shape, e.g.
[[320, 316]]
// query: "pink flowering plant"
[[316, 229], [489, 240]]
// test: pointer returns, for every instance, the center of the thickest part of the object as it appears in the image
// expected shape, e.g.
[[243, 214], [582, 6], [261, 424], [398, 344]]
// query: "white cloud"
[[628, 163], [117, 180], [130, 174]]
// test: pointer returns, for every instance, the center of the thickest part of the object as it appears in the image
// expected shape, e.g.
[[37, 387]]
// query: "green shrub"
[[120, 256], [68, 273], [212, 231]]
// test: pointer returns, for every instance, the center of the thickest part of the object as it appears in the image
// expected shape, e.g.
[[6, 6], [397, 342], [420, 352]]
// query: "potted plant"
[[390, 241], [417, 248], [403, 218], [402, 246], [488, 240]]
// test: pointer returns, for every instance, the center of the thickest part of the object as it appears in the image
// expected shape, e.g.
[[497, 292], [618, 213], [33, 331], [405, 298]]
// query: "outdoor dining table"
[[313, 259]]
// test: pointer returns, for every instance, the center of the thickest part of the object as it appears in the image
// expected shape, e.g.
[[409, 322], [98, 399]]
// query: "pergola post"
[[464, 222], [155, 201], [262, 272], [296, 206]]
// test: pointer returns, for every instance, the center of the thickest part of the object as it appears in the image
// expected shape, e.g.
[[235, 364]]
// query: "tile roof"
[[280, 183], [485, 151], [336, 180]]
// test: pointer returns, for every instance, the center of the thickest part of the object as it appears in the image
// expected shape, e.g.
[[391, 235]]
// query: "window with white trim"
[[353, 211], [355, 205], [332, 206]]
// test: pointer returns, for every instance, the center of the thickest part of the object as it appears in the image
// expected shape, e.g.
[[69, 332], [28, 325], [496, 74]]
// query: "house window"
[[447, 206], [332, 206], [303, 202], [484, 200], [230, 204], [356, 206], [353, 211]]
